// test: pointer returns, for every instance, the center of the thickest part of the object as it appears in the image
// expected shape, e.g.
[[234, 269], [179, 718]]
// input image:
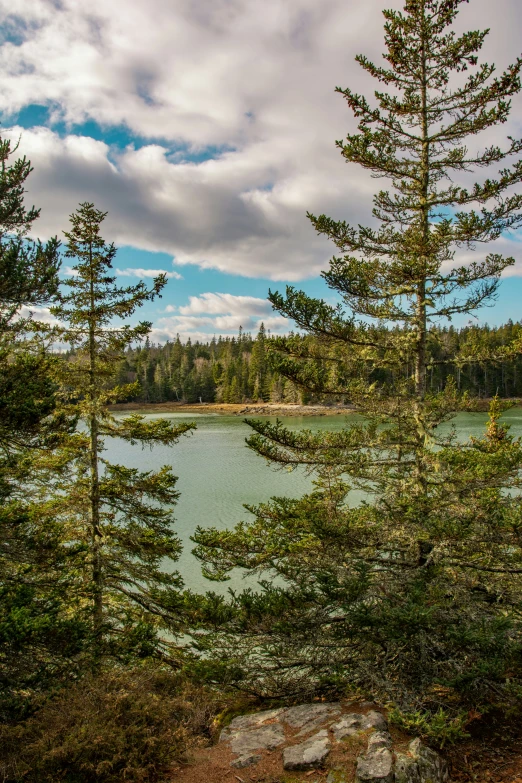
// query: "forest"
[[394, 581], [237, 369]]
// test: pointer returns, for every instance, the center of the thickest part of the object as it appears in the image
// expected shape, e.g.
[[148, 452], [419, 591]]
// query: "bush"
[[438, 728], [120, 726]]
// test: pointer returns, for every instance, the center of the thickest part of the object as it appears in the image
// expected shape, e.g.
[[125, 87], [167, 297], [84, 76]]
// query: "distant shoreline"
[[264, 408], [237, 409]]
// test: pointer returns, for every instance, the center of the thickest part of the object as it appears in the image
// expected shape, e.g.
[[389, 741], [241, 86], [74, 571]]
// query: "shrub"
[[439, 728], [129, 726]]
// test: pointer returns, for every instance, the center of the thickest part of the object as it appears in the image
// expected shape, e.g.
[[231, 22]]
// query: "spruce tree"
[[411, 594], [120, 516], [40, 633]]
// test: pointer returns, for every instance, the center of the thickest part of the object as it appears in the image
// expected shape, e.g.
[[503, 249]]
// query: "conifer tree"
[[120, 516], [40, 634], [258, 367], [411, 594]]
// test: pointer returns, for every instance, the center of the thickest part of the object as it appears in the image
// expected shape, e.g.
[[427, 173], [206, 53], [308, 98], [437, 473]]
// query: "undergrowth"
[[119, 726]]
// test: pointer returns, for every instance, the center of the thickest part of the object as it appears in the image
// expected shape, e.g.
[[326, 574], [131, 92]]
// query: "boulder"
[[406, 769], [355, 722], [243, 722], [308, 717], [348, 726], [264, 737], [378, 740], [432, 767], [309, 754], [376, 766], [374, 720]]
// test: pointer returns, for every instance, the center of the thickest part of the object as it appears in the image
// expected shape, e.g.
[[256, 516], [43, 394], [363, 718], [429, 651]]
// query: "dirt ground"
[[493, 754]]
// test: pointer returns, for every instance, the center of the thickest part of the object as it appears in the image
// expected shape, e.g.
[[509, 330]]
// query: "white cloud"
[[226, 303], [138, 272], [219, 314], [42, 314], [251, 82]]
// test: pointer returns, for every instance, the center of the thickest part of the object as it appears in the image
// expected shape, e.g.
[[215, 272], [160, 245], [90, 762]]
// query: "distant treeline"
[[237, 369]]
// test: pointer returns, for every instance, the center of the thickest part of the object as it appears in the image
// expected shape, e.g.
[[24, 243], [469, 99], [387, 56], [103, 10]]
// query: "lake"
[[218, 473]]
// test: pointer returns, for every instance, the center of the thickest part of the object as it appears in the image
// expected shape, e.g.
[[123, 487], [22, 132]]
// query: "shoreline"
[[236, 409], [267, 408]]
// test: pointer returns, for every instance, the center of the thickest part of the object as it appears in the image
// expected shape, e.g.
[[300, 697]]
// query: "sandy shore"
[[232, 409]]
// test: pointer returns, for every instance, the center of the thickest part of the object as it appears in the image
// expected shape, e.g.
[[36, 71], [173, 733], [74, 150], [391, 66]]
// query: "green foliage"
[[481, 360], [28, 269], [124, 725], [410, 590], [41, 632], [440, 728], [119, 518]]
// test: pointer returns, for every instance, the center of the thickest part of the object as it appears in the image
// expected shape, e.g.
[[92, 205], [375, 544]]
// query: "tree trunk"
[[96, 535]]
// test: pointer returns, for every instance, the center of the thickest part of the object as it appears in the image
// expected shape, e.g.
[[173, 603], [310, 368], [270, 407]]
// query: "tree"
[[258, 367], [412, 593], [120, 516], [40, 632]]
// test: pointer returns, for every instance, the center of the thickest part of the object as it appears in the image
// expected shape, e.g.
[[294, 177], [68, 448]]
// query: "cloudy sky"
[[206, 129]]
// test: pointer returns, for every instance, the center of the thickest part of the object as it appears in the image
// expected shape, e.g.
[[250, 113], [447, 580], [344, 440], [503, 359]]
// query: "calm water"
[[218, 473]]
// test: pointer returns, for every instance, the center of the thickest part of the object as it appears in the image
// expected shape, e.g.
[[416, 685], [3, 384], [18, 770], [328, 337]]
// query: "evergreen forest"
[[111, 669], [238, 370]]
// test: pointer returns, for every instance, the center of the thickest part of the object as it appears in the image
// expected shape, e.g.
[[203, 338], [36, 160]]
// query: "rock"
[[246, 761], [376, 766], [379, 739], [309, 754], [308, 717], [374, 720], [406, 769], [432, 767], [348, 726], [355, 722], [338, 775], [243, 722], [266, 737]]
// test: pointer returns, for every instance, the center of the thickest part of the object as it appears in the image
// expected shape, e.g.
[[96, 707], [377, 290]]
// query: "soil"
[[493, 754], [236, 409]]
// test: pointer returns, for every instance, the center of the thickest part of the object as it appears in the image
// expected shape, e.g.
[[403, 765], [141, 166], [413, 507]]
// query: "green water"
[[218, 473]]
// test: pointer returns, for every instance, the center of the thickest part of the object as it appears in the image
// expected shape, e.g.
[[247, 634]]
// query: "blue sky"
[[206, 130]]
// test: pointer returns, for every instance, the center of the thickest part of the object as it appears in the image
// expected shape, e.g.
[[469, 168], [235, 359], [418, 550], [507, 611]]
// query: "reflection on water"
[[218, 473]]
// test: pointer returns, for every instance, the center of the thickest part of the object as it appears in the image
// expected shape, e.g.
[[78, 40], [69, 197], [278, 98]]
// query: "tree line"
[[237, 369], [410, 597]]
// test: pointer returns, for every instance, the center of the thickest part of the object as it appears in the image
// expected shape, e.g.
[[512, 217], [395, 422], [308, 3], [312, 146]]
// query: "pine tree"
[[40, 633], [411, 594], [120, 516], [258, 367]]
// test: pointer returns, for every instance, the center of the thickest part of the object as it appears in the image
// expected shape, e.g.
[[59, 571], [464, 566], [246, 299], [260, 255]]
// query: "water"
[[218, 473]]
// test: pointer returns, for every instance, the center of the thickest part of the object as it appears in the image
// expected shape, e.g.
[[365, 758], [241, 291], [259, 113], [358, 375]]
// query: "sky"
[[206, 129]]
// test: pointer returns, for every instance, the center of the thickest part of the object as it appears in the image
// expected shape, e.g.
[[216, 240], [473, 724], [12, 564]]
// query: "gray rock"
[[374, 720], [266, 737], [379, 739], [308, 717], [355, 722], [338, 775], [432, 767], [375, 766], [243, 722], [348, 726], [246, 761], [309, 754], [406, 769]]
